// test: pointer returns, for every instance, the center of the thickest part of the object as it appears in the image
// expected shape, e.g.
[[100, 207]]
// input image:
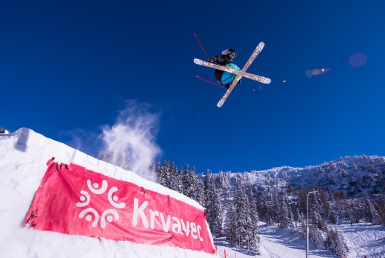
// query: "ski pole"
[[200, 44], [216, 84]]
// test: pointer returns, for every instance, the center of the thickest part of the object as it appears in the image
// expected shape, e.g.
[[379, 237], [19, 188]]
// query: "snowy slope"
[[23, 157], [275, 243], [362, 239]]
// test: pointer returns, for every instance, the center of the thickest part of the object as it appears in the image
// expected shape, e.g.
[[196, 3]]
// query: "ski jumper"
[[222, 77]]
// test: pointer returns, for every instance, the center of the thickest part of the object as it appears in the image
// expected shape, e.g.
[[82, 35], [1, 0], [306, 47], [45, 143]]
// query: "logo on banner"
[[89, 213]]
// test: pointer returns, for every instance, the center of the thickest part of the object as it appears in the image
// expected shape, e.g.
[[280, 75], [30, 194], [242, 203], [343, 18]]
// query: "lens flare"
[[357, 59], [325, 70], [314, 72], [308, 73]]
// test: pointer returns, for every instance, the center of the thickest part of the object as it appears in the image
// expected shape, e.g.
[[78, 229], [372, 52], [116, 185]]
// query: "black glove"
[[211, 60]]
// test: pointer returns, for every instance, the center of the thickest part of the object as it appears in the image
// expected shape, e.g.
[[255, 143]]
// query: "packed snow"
[[23, 157]]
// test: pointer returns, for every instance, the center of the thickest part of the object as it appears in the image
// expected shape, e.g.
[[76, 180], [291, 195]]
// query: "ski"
[[256, 52], [254, 77], [241, 73]]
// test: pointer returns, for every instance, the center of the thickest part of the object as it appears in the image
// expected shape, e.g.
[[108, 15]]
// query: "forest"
[[346, 190]]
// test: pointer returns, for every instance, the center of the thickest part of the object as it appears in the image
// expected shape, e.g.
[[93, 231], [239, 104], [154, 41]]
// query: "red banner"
[[77, 201]]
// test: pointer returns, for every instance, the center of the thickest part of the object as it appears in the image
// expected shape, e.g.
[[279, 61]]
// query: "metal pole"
[[307, 223]]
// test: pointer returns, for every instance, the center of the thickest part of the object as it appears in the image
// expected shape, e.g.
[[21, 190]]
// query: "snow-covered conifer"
[[302, 224], [164, 174], [186, 180], [339, 245], [200, 194], [212, 204], [243, 220], [318, 239], [372, 214], [173, 177], [254, 229], [230, 223], [283, 212], [292, 225], [192, 184]]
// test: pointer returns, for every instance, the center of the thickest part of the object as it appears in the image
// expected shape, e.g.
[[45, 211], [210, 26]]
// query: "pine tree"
[[274, 206], [192, 190], [318, 239], [173, 177], [262, 208], [329, 242], [223, 179], [254, 212], [213, 207], [179, 181], [324, 203], [314, 213], [381, 209], [292, 226], [186, 180], [200, 194], [243, 219], [164, 174], [339, 212], [254, 243], [283, 212], [302, 199], [372, 214], [302, 224], [339, 245], [230, 223]]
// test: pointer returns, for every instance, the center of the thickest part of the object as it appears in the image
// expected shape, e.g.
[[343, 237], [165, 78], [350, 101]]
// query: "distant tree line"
[[234, 206], [241, 223]]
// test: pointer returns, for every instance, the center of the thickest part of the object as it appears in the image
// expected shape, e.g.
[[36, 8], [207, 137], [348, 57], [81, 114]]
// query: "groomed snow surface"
[[23, 157], [362, 239]]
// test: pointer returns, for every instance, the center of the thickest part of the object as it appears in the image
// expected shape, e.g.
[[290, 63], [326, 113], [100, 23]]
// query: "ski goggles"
[[233, 53]]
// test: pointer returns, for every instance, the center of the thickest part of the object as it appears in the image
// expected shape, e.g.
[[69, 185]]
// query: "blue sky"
[[70, 67]]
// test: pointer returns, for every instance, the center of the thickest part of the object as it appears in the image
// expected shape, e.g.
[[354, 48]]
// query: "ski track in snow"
[[280, 243], [275, 243], [364, 239]]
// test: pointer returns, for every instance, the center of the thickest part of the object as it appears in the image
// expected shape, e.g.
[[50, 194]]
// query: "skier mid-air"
[[228, 74], [226, 59]]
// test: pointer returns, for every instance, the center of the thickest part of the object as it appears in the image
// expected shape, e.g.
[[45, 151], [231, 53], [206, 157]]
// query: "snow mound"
[[23, 157]]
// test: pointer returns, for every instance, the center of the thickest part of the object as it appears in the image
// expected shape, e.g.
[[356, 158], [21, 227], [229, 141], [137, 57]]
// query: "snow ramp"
[[59, 202]]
